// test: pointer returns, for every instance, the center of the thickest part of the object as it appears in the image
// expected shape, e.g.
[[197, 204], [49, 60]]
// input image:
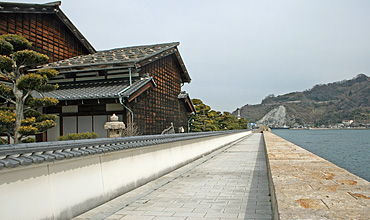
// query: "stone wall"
[[306, 186], [62, 189]]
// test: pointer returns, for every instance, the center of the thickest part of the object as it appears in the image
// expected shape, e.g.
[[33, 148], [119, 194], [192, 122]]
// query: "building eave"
[[186, 76], [82, 64], [47, 8], [75, 31], [92, 90], [171, 50], [188, 103]]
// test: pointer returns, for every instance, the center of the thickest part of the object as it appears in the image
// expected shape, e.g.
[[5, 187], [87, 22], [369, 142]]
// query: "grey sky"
[[238, 51]]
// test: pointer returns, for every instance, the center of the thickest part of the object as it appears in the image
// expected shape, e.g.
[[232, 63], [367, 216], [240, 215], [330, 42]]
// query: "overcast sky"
[[238, 51]]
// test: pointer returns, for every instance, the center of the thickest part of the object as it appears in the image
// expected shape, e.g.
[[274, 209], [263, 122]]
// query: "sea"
[[346, 148]]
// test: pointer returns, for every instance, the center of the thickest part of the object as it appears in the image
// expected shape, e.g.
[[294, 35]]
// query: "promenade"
[[230, 183], [306, 186]]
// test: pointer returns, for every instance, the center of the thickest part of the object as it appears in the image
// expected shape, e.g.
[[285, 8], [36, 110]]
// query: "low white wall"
[[67, 188]]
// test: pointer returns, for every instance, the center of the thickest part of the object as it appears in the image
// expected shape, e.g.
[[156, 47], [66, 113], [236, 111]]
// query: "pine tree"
[[19, 117], [211, 120]]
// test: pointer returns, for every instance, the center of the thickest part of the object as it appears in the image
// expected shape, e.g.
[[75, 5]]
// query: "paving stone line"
[[230, 183]]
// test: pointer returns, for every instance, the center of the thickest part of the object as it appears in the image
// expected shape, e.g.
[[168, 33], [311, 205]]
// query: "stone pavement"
[[230, 183], [307, 186]]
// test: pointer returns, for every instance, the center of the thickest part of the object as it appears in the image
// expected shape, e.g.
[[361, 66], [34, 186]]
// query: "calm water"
[[349, 149]]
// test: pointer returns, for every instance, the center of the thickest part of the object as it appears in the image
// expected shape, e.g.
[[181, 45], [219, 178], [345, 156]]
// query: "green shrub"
[[28, 140], [78, 136], [6, 48], [3, 141], [18, 42]]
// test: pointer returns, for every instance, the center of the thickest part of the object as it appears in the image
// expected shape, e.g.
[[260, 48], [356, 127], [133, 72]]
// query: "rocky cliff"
[[276, 116], [323, 104]]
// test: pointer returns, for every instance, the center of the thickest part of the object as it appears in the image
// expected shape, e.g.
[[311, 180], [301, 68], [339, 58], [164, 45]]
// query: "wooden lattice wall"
[[154, 109], [47, 34], [158, 107]]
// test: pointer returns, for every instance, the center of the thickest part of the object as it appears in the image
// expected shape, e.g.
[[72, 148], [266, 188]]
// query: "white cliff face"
[[276, 116]]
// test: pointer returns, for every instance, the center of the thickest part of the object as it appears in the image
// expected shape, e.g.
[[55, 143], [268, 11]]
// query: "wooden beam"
[[141, 90]]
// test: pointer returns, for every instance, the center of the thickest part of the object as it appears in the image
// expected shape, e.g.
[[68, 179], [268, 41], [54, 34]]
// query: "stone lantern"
[[114, 127]]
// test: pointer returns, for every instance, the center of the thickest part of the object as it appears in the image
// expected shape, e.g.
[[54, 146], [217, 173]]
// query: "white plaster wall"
[[99, 121], [67, 188], [69, 125], [25, 194], [114, 107], [85, 124], [74, 182], [54, 133]]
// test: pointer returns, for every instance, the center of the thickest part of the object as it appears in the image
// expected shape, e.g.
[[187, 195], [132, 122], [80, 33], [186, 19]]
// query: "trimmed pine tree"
[[19, 116]]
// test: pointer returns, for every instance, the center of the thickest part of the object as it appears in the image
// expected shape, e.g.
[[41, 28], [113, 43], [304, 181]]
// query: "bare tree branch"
[[8, 99], [27, 109], [7, 75], [25, 96]]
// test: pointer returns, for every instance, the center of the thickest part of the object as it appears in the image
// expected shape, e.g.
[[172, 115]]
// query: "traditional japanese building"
[[141, 83], [46, 27]]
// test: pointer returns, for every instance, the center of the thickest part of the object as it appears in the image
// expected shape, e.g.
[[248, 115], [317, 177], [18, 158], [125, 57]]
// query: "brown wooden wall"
[[158, 107], [47, 34]]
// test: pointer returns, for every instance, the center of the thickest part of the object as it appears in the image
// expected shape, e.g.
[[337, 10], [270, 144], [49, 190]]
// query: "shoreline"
[[304, 185], [355, 128]]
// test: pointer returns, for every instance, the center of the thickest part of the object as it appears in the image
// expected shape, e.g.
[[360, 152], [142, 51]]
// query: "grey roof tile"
[[95, 89], [49, 151], [119, 55], [8, 162], [183, 95], [120, 58]]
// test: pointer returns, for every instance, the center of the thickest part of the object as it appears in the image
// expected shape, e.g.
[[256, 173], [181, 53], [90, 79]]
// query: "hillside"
[[323, 104]]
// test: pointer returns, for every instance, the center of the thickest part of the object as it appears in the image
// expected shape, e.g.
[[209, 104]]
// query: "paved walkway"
[[310, 187], [230, 183]]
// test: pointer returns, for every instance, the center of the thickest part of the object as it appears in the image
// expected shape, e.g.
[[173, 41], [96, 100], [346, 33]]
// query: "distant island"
[[338, 104]]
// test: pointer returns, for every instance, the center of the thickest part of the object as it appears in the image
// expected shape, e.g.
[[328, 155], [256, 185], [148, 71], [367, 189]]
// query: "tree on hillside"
[[201, 121], [230, 122], [211, 120], [19, 117]]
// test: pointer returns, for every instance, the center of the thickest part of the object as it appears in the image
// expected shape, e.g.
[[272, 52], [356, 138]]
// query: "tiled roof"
[[183, 95], [96, 89], [136, 86], [119, 55], [118, 59], [18, 155]]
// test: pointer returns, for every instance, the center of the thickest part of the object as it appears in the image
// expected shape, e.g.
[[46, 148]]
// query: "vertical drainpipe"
[[130, 76], [191, 117], [121, 100]]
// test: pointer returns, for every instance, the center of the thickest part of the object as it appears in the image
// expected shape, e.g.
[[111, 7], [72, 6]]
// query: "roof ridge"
[[96, 89], [51, 4], [56, 3], [90, 82], [118, 55], [147, 45]]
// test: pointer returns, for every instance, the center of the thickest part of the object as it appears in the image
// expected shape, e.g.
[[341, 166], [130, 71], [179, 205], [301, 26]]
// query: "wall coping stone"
[[14, 155], [306, 186]]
